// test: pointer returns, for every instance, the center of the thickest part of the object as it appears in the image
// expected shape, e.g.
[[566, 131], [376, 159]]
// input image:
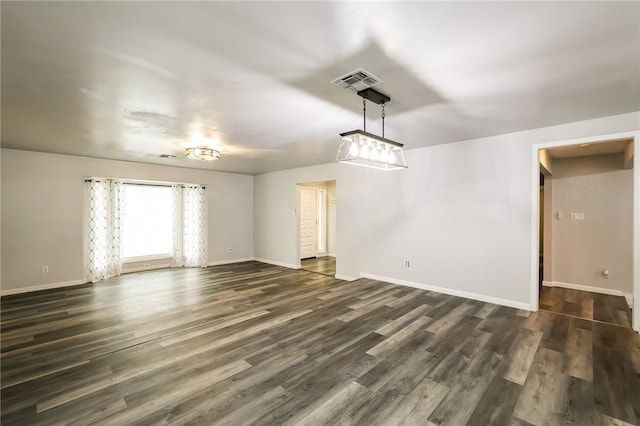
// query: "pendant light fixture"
[[360, 148], [203, 153]]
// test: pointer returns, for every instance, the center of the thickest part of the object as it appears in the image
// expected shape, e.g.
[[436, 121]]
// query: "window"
[[129, 222], [147, 221]]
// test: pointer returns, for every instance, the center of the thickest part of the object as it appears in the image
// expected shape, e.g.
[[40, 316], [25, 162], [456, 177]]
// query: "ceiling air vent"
[[357, 80]]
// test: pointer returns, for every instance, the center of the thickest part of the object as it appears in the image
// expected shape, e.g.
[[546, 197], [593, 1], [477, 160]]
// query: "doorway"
[[584, 216], [317, 227], [308, 222]]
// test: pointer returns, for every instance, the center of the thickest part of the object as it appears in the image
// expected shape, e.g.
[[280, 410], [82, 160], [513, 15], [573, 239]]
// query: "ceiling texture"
[[134, 80]]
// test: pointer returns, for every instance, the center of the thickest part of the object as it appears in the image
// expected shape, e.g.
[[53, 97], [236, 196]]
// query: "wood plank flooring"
[[251, 343], [322, 265], [583, 304]]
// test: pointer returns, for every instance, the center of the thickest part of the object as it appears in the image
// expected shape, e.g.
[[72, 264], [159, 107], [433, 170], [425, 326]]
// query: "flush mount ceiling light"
[[360, 148], [203, 153]]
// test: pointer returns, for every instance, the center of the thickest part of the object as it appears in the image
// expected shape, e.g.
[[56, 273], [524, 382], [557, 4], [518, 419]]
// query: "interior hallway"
[[583, 304]]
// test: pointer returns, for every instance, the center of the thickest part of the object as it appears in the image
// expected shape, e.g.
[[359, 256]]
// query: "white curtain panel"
[[105, 212], [177, 258], [194, 225]]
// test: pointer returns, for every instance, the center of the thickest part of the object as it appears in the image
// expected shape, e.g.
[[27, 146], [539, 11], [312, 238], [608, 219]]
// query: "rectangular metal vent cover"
[[357, 80]]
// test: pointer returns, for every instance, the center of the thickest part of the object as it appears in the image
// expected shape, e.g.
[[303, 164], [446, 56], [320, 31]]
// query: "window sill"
[[162, 256]]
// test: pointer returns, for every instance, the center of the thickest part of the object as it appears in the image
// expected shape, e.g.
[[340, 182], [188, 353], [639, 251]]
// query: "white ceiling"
[[135, 80]]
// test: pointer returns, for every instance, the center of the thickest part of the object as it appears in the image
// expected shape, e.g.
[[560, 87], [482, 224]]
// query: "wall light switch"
[[577, 216], [558, 215]]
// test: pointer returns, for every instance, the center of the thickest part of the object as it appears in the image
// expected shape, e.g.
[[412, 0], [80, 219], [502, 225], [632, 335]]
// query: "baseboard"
[[345, 277], [451, 292], [628, 296], [41, 287], [275, 262], [329, 255], [226, 262]]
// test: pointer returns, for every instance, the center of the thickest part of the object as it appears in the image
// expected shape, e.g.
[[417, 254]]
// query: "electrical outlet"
[[577, 216], [230, 249], [45, 269], [406, 264]]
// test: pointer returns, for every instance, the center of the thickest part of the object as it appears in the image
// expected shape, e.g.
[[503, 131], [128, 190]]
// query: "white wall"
[[43, 212], [598, 187], [461, 214], [275, 220]]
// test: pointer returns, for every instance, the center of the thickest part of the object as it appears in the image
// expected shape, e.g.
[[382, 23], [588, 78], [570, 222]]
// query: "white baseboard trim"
[[451, 292], [609, 291], [329, 254], [40, 287], [226, 262], [345, 277], [275, 262]]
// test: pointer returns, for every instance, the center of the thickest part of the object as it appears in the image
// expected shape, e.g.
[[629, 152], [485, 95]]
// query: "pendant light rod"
[[374, 96], [383, 120], [364, 114]]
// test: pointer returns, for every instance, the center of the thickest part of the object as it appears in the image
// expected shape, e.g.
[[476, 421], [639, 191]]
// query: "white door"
[[308, 222]]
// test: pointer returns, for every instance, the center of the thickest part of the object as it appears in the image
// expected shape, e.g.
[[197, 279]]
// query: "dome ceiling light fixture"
[[360, 148], [203, 153]]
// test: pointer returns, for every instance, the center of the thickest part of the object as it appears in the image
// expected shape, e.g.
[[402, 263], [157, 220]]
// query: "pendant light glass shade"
[[368, 150], [203, 153]]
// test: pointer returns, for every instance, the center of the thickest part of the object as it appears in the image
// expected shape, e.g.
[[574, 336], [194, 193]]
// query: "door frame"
[[320, 223], [535, 212]]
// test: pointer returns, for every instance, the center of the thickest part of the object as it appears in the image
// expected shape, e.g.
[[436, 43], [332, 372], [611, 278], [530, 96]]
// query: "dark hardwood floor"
[[322, 265], [583, 304], [252, 343]]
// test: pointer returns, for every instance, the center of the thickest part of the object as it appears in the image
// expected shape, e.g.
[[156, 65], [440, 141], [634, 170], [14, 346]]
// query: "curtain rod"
[[150, 184], [168, 185]]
